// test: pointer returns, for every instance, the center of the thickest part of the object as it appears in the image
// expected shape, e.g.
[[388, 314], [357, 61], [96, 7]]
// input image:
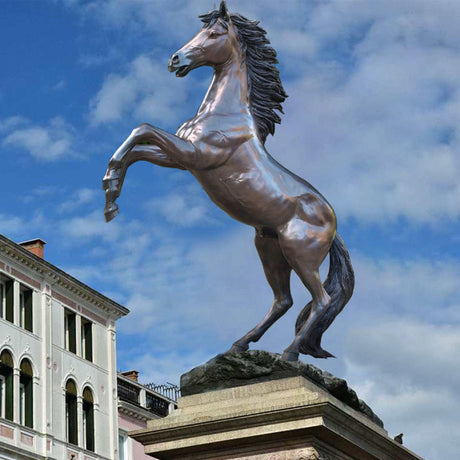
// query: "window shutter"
[[9, 400], [72, 333], [28, 323], [6, 369], [72, 434], [89, 341], [9, 314], [89, 415], [27, 381]]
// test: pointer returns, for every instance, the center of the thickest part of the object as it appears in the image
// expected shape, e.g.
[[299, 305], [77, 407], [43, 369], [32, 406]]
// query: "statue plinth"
[[277, 419]]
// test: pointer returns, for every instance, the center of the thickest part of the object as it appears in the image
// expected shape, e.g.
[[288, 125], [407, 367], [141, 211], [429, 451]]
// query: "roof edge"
[[62, 278]]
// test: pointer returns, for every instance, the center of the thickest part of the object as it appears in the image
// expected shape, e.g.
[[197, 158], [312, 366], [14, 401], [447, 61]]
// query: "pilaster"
[[16, 302]]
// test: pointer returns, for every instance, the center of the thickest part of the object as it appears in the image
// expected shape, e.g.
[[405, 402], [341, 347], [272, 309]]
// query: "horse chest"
[[187, 131], [211, 133]]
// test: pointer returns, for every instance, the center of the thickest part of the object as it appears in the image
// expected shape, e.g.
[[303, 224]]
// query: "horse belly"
[[246, 197]]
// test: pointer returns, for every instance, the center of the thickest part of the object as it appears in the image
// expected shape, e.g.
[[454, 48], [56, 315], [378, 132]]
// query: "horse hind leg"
[[320, 303], [278, 273], [305, 255]]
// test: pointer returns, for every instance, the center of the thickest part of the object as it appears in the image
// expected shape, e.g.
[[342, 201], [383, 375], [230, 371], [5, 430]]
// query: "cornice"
[[58, 278], [135, 412]]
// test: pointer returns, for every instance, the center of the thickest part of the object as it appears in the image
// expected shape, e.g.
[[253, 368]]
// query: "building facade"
[[137, 404], [58, 379]]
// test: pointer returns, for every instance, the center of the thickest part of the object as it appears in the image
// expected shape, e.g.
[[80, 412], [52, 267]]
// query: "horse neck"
[[228, 92]]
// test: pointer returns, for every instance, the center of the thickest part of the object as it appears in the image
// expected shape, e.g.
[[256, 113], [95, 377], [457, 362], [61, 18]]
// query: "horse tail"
[[339, 285]]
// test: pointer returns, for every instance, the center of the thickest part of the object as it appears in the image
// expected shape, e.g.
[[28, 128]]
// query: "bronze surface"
[[223, 146]]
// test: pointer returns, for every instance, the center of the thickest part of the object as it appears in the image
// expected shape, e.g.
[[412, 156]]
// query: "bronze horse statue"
[[223, 147]]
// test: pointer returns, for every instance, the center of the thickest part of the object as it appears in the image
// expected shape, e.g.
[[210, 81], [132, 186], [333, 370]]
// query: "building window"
[[2, 299], [26, 308], [2, 395], [6, 385], [88, 419], [6, 298], [71, 412], [123, 446], [87, 339], [26, 396], [70, 335]]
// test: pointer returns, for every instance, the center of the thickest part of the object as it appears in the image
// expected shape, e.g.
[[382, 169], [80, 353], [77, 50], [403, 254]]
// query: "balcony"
[[145, 398]]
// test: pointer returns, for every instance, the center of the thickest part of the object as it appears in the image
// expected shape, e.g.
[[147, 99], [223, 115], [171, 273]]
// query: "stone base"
[[290, 418]]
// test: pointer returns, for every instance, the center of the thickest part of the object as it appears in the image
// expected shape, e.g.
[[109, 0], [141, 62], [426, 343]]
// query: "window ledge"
[[21, 329], [74, 355]]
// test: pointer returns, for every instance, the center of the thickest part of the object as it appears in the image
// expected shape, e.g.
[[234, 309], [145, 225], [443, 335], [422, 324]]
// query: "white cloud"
[[10, 224], [147, 91], [145, 14], [430, 286], [10, 123], [160, 368], [47, 143], [88, 227], [83, 196], [407, 349], [378, 133], [411, 379], [186, 206], [60, 85]]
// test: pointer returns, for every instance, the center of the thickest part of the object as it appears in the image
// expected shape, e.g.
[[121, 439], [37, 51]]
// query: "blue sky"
[[372, 121]]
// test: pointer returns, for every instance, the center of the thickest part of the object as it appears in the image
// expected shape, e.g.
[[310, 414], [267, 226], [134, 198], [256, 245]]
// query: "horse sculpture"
[[223, 147]]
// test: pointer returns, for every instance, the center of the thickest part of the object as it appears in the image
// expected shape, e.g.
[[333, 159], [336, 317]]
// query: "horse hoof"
[[110, 183], [114, 164], [290, 356], [111, 212]]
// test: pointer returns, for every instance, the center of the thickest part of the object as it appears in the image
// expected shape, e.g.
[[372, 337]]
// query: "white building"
[[58, 379]]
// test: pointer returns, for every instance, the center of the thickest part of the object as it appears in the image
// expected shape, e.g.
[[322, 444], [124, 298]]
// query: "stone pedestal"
[[289, 418]]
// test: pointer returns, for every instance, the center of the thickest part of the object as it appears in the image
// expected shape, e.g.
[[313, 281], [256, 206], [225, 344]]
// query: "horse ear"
[[223, 12]]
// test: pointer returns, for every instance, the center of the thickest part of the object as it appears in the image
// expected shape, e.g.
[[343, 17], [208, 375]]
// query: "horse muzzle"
[[179, 65]]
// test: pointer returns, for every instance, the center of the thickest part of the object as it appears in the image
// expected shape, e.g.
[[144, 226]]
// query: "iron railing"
[[156, 405], [169, 390]]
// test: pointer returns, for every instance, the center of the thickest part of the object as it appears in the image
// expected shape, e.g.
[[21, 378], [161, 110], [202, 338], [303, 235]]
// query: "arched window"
[[26, 394], [6, 385], [88, 419], [71, 412]]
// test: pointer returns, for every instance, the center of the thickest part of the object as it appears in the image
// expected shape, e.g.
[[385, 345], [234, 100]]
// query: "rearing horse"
[[223, 147]]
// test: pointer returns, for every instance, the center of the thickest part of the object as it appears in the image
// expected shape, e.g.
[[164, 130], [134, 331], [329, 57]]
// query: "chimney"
[[132, 375], [36, 247]]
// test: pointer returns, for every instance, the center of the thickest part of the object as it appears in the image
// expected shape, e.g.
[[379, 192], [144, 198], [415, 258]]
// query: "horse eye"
[[213, 34]]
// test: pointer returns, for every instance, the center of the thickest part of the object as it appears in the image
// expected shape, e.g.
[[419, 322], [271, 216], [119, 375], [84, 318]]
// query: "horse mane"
[[266, 92]]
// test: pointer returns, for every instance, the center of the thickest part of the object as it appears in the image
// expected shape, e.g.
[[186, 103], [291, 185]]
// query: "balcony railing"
[[169, 390], [156, 405], [127, 392]]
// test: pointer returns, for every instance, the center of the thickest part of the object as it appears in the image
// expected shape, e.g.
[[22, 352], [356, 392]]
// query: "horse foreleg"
[[171, 145], [277, 272], [116, 172]]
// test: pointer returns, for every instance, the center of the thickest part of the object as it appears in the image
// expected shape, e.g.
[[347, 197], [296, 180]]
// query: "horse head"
[[212, 46]]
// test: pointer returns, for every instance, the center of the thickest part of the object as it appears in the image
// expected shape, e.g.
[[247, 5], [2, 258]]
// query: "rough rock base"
[[231, 370]]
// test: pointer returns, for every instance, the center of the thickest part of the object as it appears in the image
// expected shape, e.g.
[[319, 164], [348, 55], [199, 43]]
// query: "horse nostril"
[[175, 59]]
